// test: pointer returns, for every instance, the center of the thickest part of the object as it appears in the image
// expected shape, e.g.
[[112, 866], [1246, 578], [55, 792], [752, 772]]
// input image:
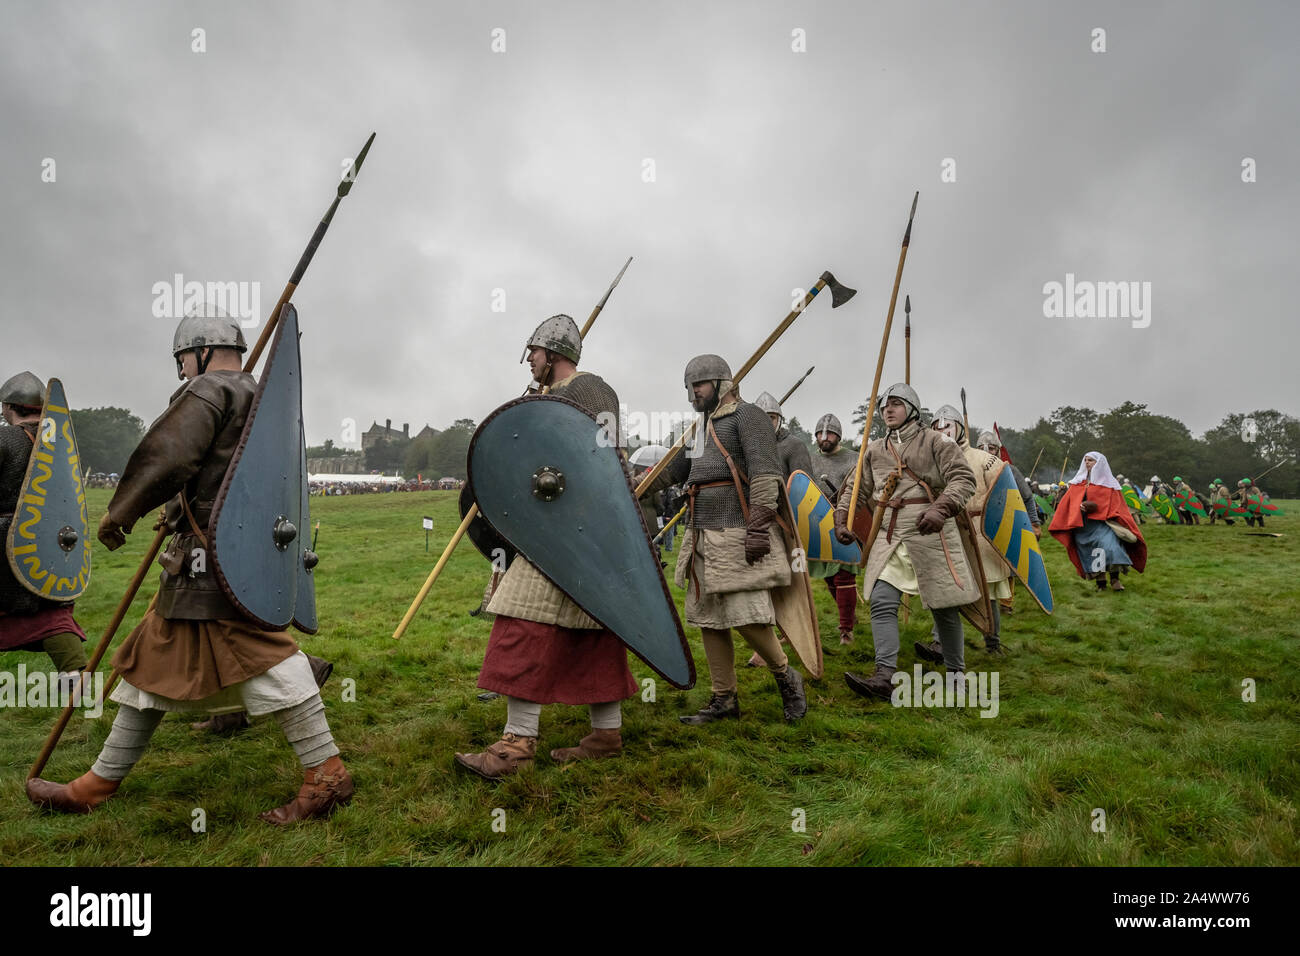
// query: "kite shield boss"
[[549, 483]]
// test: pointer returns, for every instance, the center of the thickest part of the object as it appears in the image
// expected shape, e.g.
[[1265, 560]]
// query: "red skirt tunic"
[[20, 630], [548, 664]]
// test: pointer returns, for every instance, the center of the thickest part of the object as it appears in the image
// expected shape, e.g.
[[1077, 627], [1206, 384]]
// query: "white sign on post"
[[428, 524]]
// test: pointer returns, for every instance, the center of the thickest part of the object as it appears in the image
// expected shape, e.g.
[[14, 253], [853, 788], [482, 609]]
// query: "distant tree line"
[[105, 438]]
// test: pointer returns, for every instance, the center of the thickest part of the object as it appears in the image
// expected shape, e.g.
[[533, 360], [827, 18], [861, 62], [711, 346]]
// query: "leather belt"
[[895, 504]]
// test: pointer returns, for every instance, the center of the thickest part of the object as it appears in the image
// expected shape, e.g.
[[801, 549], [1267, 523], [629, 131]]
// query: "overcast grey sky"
[[525, 171]]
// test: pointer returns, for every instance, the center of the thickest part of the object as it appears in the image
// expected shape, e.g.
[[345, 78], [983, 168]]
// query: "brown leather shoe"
[[846, 638], [599, 743], [508, 755], [81, 796], [323, 788]]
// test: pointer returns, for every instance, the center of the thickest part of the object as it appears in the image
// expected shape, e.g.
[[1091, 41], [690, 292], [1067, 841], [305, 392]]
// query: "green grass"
[[1127, 702]]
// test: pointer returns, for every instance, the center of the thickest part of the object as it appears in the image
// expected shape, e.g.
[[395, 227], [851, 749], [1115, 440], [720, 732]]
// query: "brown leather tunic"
[[193, 641]]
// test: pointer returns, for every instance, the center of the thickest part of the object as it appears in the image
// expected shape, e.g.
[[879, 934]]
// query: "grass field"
[[1131, 703]]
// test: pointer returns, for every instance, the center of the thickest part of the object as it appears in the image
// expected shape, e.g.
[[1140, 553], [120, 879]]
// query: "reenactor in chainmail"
[[194, 651], [918, 549], [28, 622], [832, 464], [733, 551], [791, 453], [544, 648]]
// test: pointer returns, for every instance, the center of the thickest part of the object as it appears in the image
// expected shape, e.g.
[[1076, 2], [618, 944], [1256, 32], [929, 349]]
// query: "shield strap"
[[194, 524]]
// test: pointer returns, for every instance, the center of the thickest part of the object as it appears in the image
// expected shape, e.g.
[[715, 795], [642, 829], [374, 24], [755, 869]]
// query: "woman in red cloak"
[[1094, 524]]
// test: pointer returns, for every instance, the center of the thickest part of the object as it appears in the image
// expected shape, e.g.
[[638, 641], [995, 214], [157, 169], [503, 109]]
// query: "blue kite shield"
[[259, 518], [48, 545], [1005, 523], [548, 481], [815, 520]]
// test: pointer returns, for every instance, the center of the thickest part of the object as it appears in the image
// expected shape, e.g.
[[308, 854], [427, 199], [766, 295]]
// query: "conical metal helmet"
[[208, 328], [558, 334], [947, 414], [828, 424], [707, 368], [905, 393], [768, 403], [23, 389]]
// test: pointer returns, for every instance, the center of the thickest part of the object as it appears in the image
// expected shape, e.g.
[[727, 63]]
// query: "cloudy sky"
[[735, 149]]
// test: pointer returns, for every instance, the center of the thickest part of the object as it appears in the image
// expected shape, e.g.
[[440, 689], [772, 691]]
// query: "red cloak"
[[1111, 506]]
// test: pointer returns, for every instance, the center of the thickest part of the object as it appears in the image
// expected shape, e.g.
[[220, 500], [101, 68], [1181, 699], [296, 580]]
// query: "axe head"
[[839, 293]]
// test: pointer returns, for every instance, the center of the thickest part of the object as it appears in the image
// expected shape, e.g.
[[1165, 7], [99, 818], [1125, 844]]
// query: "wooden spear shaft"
[[907, 340], [676, 518], [472, 512], [880, 361], [1036, 461]]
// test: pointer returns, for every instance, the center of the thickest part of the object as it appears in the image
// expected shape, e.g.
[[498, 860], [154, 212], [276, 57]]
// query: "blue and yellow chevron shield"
[[1005, 523], [815, 521]]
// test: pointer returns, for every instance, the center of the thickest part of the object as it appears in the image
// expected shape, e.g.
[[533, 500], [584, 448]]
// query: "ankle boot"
[[932, 652], [878, 685], [323, 788], [1114, 582], [80, 796], [795, 701], [508, 755], [719, 707], [599, 743]]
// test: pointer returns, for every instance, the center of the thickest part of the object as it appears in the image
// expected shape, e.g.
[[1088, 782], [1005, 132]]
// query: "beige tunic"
[[944, 577]]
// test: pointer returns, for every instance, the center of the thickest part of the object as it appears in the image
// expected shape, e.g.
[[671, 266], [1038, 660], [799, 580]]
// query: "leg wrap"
[[522, 717], [308, 732], [606, 716], [126, 742]]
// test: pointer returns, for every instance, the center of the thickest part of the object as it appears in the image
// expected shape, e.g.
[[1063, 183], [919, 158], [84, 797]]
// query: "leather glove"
[[931, 521], [110, 533], [935, 515], [1088, 507], [758, 543], [842, 530]]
